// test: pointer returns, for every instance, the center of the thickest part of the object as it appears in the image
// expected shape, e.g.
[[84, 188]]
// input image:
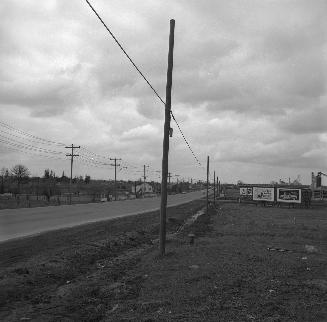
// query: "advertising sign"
[[246, 191], [263, 194], [289, 195]]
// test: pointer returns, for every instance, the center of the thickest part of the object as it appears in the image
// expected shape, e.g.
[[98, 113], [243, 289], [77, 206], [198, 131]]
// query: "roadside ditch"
[[75, 273]]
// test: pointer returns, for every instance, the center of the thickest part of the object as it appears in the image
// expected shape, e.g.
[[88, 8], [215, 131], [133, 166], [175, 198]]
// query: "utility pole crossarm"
[[115, 165], [71, 155]]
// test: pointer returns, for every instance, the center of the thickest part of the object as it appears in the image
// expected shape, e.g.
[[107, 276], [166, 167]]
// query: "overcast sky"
[[249, 86]]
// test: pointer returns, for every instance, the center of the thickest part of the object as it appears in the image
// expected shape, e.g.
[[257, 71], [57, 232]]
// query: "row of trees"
[[49, 174], [20, 174], [18, 180]]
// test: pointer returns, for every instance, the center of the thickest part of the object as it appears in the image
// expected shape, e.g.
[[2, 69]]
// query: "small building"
[[318, 186]]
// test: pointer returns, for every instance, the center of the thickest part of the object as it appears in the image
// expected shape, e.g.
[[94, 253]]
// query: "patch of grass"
[[61, 273], [247, 264], [229, 274]]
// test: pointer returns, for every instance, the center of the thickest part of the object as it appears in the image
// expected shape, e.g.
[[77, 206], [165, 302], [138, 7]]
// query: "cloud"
[[146, 131], [249, 79], [311, 120]]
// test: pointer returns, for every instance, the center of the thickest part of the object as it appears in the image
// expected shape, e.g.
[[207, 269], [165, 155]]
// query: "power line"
[[180, 130], [26, 146], [33, 152], [23, 138], [86, 159], [124, 51], [89, 157], [82, 159], [31, 149], [28, 134], [92, 159], [94, 154], [142, 75]]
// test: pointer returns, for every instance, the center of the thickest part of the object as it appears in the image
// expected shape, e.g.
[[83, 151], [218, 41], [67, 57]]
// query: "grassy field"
[[248, 263]]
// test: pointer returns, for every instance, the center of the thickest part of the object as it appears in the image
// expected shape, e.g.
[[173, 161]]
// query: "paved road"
[[28, 221]]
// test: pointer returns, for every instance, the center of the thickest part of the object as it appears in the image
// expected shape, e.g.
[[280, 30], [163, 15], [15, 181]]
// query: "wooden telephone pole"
[[214, 187], [207, 185], [144, 177], [71, 155], [115, 165], [169, 176], [163, 205]]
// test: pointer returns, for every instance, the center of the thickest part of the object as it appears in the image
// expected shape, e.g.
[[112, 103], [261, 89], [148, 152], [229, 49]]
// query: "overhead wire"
[[180, 130], [13, 142], [25, 138], [30, 151], [124, 51], [95, 154], [142, 75], [9, 141], [29, 135], [90, 156]]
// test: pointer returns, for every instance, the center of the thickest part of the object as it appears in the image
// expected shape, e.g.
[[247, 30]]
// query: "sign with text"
[[246, 191], [289, 195], [263, 194]]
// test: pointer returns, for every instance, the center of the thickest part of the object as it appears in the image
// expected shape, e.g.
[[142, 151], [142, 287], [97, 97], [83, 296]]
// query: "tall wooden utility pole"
[[214, 187], [169, 176], [144, 178], [165, 150], [207, 184], [115, 165], [71, 155]]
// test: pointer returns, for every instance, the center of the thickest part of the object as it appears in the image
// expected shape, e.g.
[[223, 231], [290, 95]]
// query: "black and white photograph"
[[163, 160]]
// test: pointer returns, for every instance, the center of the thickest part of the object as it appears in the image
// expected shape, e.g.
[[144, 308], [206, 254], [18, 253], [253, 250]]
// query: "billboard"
[[263, 194], [246, 191], [289, 195]]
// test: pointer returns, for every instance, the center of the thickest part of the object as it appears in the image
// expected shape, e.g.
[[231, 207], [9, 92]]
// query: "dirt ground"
[[248, 263], [13, 203]]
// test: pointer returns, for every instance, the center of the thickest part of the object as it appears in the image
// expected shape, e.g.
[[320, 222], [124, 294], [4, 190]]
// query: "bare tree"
[[3, 172], [20, 172]]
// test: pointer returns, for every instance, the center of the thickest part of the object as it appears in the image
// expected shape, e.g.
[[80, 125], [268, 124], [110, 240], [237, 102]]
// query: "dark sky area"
[[249, 85]]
